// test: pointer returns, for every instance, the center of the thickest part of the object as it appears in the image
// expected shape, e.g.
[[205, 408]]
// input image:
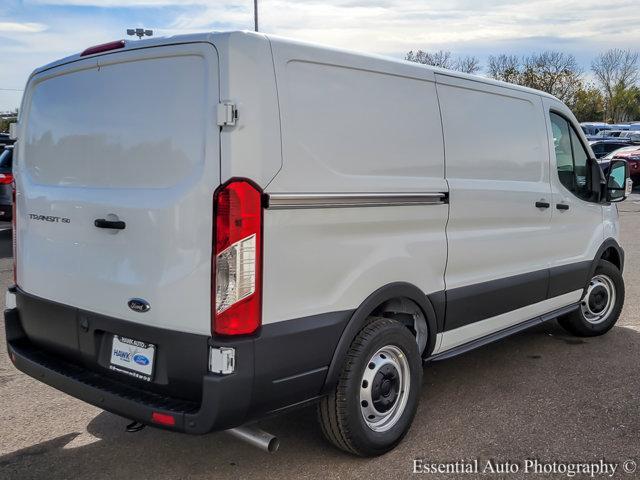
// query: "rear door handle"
[[543, 204], [113, 224], [562, 206]]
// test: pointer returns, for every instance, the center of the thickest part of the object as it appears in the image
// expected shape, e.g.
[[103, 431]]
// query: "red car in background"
[[632, 156]]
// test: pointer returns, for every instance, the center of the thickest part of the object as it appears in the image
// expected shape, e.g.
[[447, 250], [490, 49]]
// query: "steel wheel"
[[599, 300], [384, 388]]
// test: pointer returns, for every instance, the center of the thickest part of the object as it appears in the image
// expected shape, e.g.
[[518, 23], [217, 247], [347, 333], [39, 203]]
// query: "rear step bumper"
[[284, 365], [128, 400]]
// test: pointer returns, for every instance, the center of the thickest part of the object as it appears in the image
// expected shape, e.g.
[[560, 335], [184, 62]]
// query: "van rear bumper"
[[224, 401], [129, 402], [284, 365]]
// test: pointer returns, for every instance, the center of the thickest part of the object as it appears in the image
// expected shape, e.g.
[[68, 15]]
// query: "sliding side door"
[[497, 167]]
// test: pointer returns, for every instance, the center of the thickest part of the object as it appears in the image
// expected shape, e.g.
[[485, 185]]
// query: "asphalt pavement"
[[541, 394]]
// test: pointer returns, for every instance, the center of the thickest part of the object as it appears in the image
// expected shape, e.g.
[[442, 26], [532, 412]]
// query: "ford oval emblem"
[[140, 359], [139, 305]]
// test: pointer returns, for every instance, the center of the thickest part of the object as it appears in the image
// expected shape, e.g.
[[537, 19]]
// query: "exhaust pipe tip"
[[274, 445], [256, 437]]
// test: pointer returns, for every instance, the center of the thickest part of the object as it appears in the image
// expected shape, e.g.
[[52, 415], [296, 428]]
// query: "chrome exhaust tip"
[[256, 437]]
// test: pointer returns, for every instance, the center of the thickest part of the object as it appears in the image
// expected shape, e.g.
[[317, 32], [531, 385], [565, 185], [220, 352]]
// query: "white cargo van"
[[214, 228]]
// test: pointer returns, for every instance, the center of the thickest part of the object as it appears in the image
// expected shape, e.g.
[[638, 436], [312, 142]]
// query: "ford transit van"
[[214, 228]]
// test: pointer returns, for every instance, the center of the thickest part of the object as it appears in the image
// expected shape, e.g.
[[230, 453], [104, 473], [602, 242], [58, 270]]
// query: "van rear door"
[[127, 139]]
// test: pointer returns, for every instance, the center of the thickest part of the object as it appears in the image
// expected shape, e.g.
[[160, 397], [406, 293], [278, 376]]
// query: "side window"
[[580, 162], [571, 158]]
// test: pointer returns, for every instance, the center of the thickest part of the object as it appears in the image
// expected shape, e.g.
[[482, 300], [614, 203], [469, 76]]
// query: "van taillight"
[[237, 263], [13, 235]]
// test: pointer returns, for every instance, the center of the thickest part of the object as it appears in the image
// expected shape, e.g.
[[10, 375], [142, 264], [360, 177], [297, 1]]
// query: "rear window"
[[133, 124]]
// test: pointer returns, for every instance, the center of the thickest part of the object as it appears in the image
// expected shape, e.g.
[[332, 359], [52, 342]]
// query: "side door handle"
[[113, 224], [542, 204], [562, 206]]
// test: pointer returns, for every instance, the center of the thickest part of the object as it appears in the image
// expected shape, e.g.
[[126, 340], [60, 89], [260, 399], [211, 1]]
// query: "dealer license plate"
[[132, 357]]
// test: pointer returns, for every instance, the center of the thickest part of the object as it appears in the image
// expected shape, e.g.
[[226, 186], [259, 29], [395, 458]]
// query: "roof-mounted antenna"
[[139, 32]]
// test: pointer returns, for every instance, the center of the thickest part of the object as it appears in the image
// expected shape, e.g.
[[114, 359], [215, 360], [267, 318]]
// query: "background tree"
[[503, 67], [443, 59], [553, 72], [468, 64], [440, 58], [588, 104], [556, 73], [624, 106], [616, 71]]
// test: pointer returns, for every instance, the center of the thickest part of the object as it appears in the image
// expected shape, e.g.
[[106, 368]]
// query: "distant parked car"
[[630, 136], [628, 148], [6, 184], [606, 135], [602, 148], [600, 130], [633, 159], [606, 160], [592, 128]]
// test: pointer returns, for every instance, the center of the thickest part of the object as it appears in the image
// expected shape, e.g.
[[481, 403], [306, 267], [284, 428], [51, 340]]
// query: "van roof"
[[212, 36]]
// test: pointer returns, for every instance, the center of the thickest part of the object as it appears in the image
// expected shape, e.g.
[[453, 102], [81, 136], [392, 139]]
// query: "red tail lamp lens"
[[237, 269]]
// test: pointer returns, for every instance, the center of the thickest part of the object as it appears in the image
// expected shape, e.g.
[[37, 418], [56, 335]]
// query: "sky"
[[35, 32]]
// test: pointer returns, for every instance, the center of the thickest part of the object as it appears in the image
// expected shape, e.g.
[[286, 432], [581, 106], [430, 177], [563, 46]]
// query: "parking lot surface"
[[541, 395]]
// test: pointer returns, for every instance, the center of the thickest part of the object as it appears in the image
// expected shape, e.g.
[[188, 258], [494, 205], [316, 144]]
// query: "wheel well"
[[612, 255], [407, 312], [399, 300]]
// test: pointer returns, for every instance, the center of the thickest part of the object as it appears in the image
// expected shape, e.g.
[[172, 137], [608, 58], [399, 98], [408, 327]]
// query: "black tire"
[[577, 322], [339, 414]]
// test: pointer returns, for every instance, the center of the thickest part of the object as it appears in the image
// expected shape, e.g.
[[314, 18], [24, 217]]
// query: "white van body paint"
[[312, 121]]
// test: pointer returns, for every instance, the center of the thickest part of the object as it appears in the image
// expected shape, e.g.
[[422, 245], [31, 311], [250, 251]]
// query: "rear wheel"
[[373, 404], [601, 304]]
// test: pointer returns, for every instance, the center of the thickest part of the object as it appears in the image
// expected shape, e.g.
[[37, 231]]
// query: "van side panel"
[[497, 166], [350, 125], [251, 148], [356, 124]]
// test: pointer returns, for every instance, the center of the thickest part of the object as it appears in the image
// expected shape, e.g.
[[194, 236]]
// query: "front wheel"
[[601, 304], [372, 407]]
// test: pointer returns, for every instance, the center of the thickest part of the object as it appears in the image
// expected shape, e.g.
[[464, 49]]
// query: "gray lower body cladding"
[[283, 365]]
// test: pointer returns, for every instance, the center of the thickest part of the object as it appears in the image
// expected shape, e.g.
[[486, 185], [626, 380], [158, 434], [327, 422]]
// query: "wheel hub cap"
[[384, 388], [384, 391], [599, 300]]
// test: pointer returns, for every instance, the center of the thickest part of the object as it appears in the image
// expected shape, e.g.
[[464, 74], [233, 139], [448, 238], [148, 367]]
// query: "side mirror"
[[618, 182]]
